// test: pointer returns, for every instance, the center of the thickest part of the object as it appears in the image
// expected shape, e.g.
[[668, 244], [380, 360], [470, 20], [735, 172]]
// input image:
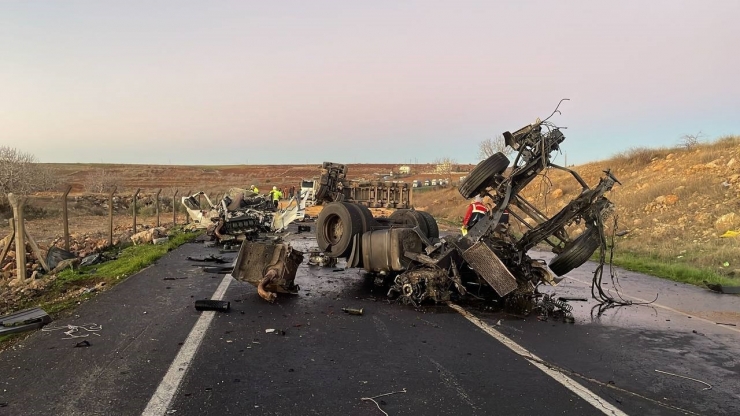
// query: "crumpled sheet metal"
[[487, 265], [269, 265]]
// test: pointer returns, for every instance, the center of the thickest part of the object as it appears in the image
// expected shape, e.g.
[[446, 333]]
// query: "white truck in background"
[[308, 191]]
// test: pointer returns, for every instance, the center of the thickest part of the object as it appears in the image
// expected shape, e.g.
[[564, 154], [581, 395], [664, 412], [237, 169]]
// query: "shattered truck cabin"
[[240, 214], [406, 251]]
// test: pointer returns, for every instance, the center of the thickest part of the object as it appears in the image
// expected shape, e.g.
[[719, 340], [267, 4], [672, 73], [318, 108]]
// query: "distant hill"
[[90, 177]]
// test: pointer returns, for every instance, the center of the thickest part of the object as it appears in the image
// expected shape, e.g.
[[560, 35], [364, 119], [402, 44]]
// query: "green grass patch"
[[129, 260], [678, 272]]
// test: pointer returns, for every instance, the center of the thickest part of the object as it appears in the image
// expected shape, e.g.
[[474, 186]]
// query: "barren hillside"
[[91, 177], [676, 203]]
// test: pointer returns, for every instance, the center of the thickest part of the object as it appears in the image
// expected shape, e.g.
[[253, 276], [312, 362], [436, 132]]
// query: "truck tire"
[[368, 221], [338, 222], [432, 227], [576, 252], [411, 218], [482, 175]]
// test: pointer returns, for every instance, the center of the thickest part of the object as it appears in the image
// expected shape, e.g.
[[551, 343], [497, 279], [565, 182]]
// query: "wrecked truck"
[[240, 214], [406, 251]]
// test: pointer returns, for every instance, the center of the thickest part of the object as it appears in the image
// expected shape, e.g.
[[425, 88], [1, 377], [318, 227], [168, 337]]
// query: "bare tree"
[[444, 166], [100, 181], [488, 147], [21, 174], [690, 141]]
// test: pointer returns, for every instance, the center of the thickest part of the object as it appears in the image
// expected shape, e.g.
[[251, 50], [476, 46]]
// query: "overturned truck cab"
[[405, 250]]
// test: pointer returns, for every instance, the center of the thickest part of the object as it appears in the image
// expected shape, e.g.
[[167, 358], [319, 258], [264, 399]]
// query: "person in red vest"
[[476, 211]]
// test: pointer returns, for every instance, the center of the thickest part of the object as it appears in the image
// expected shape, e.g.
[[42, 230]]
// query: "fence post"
[[174, 208], [11, 240], [136, 194], [187, 216], [110, 217], [20, 234], [65, 218], [158, 192]]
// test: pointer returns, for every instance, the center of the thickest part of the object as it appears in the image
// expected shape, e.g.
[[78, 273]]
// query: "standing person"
[[276, 195], [292, 191], [476, 211]]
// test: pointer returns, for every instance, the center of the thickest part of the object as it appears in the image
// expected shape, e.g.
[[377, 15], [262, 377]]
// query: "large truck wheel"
[[411, 218], [482, 174], [576, 252], [338, 222], [368, 221], [432, 227]]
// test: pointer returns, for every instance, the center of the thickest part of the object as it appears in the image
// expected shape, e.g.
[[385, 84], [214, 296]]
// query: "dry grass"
[[637, 157]]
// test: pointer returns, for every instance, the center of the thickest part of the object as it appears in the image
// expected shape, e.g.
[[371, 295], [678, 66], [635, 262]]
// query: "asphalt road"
[[322, 361]]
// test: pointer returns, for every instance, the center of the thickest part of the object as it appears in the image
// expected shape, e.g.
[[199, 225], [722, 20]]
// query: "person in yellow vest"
[[254, 189], [276, 195]]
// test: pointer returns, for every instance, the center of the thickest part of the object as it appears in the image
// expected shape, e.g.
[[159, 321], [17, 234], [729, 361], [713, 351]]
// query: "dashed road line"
[[168, 387]]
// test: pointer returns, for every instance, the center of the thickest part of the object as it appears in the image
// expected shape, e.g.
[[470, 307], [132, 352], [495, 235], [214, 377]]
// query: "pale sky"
[[262, 82]]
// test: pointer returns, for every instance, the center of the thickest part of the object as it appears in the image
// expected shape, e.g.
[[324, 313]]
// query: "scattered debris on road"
[[76, 331], [353, 311], [321, 259], [270, 265], [709, 386], [571, 299], [728, 290], [372, 399], [210, 259], [555, 308], [82, 344], [22, 321], [212, 305]]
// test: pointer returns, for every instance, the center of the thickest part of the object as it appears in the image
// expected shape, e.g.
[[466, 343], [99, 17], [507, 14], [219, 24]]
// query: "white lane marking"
[[162, 398], [667, 308], [567, 382]]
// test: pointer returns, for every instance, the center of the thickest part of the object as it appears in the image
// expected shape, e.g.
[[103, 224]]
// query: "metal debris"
[[212, 305], [490, 261], [709, 386], [372, 399], [728, 290], [353, 311], [240, 214], [269, 265], [555, 308], [22, 321], [321, 259], [210, 259]]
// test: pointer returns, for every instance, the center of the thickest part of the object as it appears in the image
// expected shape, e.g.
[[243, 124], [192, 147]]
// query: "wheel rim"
[[334, 229]]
